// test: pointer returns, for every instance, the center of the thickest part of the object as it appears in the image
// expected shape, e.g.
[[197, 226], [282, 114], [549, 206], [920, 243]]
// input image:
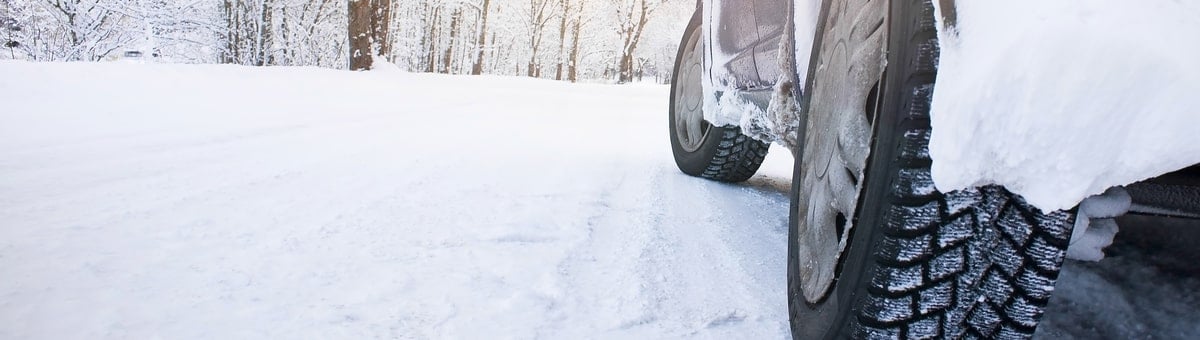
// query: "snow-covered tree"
[[68, 30], [572, 40], [632, 17]]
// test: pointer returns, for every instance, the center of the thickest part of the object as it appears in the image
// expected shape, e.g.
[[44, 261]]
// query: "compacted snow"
[[1059, 100], [223, 202]]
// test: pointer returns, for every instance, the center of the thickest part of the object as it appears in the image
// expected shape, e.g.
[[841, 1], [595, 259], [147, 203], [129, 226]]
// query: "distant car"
[[875, 250], [133, 56]]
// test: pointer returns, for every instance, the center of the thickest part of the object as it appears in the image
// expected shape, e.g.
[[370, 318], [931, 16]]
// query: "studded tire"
[[923, 264], [724, 154]]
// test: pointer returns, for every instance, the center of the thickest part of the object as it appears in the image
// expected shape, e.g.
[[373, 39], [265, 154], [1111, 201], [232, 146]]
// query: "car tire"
[[720, 153], [914, 262]]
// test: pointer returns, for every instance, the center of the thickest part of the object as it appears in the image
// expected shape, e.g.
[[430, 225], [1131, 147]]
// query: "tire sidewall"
[[696, 162], [834, 314]]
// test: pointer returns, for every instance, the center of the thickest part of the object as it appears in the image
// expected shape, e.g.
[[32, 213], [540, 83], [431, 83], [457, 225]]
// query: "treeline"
[[618, 40]]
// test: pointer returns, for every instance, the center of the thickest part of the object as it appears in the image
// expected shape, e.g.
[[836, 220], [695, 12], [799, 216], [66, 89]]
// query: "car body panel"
[[743, 42], [772, 21], [731, 32]]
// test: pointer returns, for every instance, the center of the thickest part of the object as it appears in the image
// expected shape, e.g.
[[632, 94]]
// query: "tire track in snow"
[[705, 248], [661, 263]]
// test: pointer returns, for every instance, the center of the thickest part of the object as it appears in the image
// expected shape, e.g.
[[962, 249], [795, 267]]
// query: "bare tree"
[[633, 16], [573, 24], [540, 14], [249, 32], [88, 29]]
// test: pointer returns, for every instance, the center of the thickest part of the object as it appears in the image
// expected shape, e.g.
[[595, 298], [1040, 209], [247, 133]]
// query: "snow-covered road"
[[187, 202], [216, 202]]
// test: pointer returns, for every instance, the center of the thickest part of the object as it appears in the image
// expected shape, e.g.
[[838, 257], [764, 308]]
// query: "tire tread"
[[987, 259], [737, 158]]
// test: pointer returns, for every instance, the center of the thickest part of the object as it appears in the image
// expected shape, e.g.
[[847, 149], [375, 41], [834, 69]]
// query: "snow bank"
[[1059, 100]]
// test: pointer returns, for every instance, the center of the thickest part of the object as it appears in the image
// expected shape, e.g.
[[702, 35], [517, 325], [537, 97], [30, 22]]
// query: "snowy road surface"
[[455, 208], [152, 201]]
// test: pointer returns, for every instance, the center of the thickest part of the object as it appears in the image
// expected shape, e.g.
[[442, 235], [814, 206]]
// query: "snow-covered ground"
[[215, 202], [222, 202]]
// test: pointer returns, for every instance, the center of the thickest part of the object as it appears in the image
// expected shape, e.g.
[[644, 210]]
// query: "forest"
[[571, 40]]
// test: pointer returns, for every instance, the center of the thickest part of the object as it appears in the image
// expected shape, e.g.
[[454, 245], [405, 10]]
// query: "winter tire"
[[875, 251], [719, 153]]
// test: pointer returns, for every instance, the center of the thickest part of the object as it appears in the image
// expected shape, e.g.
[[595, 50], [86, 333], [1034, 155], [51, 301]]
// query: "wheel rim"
[[837, 142], [690, 127]]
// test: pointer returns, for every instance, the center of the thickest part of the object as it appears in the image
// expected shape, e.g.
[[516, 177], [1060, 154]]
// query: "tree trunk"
[[573, 63], [493, 54], [477, 68], [287, 53], [641, 70], [625, 69], [631, 44], [433, 40], [230, 54], [448, 58], [537, 26], [633, 34], [562, 39], [359, 24], [368, 29], [264, 35], [381, 28]]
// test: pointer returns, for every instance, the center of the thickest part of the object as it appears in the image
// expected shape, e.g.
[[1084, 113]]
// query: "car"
[[875, 249]]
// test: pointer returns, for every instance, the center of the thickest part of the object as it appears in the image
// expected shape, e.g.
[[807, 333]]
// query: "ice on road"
[[220, 202]]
